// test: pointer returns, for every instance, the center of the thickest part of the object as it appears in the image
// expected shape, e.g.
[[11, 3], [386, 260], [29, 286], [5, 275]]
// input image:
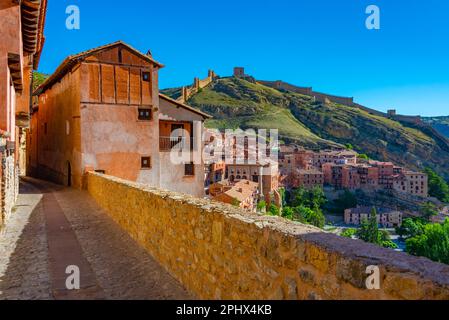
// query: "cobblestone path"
[[52, 228]]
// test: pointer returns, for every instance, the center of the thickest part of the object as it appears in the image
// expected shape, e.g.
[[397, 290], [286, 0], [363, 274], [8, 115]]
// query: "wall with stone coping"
[[220, 252]]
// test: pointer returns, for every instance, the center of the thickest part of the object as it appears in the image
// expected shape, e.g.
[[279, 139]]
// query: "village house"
[[101, 110], [22, 40], [266, 175], [243, 193], [333, 156], [387, 218], [376, 175], [302, 178], [410, 182], [214, 172]]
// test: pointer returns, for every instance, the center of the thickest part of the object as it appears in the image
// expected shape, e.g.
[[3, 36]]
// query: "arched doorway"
[[69, 174]]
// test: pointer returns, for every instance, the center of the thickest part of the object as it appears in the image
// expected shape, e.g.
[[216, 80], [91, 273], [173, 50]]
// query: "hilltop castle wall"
[[197, 85]]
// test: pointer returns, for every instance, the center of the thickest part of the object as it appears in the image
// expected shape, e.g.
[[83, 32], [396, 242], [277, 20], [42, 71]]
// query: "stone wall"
[[220, 252], [286, 86], [9, 185], [197, 85]]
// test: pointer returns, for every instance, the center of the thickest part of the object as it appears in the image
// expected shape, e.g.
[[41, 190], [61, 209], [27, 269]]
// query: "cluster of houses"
[[101, 110], [343, 169]]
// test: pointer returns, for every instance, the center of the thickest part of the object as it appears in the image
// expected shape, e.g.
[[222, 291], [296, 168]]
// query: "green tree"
[[310, 198], [428, 210], [306, 215], [349, 146], [369, 232], [363, 156], [38, 79], [438, 188], [261, 206], [274, 211], [349, 233], [411, 228], [385, 240], [433, 243], [287, 212], [369, 229]]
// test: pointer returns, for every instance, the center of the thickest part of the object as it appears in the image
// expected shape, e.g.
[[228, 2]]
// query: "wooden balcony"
[[167, 144]]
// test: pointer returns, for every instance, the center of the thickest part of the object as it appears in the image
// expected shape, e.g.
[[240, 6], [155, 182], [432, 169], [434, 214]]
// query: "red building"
[[22, 40]]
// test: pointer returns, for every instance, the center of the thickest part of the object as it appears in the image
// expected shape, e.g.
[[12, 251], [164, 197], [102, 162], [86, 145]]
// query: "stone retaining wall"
[[219, 252]]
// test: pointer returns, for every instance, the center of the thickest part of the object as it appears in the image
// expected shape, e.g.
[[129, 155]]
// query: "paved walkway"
[[53, 228]]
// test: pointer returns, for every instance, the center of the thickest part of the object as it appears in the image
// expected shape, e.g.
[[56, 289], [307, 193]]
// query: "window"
[[146, 76], [45, 128], [100, 171], [145, 114], [146, 163], [189, 169], [120, 58]]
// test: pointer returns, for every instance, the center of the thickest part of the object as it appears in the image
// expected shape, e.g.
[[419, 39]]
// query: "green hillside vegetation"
[[236, 102], [38, 79]]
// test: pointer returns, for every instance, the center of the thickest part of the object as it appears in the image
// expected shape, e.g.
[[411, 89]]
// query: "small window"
[[146, 76], [146, 163], [100, 171], [189, 169], [45, 128], [145, 114], [120, 58]]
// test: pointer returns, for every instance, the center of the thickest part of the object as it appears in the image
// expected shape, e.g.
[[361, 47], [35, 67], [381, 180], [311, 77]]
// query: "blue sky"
[[319, 43]]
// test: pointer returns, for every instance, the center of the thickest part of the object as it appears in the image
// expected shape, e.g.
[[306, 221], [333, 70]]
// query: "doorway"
[[69, 174]]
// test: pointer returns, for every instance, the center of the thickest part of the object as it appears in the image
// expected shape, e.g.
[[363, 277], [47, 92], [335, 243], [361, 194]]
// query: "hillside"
[[441, 124], [235, 102]]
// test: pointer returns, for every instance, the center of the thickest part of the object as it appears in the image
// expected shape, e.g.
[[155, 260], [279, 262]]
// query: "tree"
[[428, 210], [411, 228], [345, 201], [433, 243], [363, 156], [349, 233], [438, 188], [261, 206], [310, 198], [274, 211], [283, 194], [369, 232], [305, 215], [38, 79], [349, 146], [287, 212]]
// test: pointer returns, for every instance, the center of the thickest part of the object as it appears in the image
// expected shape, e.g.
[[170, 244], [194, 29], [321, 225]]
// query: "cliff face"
[[235, 102]]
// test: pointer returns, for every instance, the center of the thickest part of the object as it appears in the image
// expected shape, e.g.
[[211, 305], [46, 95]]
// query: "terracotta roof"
[[242, 190], [185, 106], [73, 60]]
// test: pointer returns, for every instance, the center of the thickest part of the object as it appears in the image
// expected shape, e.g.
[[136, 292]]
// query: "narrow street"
[[53, 227]]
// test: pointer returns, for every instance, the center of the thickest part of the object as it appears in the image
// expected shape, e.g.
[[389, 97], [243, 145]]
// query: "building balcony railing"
[[167, 144]]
